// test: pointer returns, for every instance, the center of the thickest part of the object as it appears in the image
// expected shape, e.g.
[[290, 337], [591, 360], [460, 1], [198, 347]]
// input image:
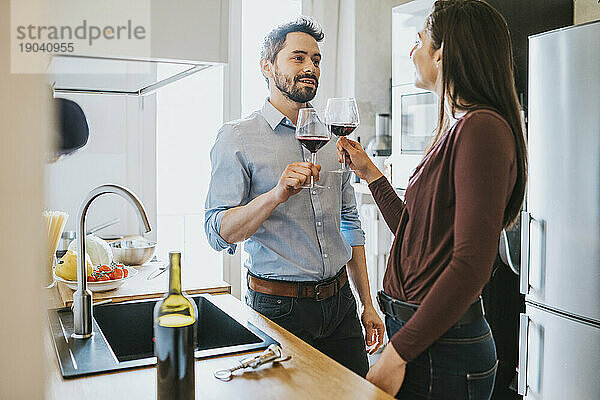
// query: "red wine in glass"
[[341, 117], [312, 135], [342, 129], [313, 143]]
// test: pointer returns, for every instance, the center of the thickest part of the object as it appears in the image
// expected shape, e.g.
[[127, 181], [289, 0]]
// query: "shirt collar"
[[274, 117]]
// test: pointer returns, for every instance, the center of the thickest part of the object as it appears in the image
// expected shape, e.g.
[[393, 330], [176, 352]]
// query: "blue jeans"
[[459, 365], [331, 325]]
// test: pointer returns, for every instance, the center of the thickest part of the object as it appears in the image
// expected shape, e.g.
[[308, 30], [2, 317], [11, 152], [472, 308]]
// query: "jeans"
[[459, 365], [330, 325]]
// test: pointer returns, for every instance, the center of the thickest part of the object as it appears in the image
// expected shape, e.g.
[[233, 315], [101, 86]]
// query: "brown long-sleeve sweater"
[[447, 230]]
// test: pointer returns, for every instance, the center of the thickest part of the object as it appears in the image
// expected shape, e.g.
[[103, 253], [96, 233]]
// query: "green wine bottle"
[[175, 319]]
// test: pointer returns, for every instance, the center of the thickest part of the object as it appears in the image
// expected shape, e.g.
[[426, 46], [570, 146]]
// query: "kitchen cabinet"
[[193, 30], [182, 30], [414, 110], [176, 39], [407, 20]]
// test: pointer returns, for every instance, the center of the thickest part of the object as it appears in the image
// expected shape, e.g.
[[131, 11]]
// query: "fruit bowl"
[[102, 286]]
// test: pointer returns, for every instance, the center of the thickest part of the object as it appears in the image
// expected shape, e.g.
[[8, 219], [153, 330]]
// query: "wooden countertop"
[[308, 375], [139, 287]]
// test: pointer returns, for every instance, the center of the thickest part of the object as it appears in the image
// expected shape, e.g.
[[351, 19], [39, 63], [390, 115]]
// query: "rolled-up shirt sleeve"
[[350, 222], [229, 184]]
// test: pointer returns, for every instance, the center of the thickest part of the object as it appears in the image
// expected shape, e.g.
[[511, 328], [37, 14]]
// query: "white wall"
[[337, 48], [373, 62], [357, 55], [121, 150]]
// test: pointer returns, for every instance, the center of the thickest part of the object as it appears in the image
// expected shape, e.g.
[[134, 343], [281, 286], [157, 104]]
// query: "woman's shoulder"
[[484, 131], [483, 117], [483, 123]]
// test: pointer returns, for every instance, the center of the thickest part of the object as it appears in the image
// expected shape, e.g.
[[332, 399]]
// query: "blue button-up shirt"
[[307, 238]]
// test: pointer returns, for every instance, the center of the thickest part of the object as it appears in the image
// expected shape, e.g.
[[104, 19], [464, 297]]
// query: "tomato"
[[105, 268], [91, 278], [117, 273], [103, 277], [125, 272], [120, 266]]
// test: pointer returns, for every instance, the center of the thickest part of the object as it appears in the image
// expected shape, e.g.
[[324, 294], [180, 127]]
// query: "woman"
[[469, 185]]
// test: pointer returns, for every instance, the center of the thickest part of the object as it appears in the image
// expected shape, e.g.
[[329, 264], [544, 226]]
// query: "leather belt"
[[313, 290], [402, 311]]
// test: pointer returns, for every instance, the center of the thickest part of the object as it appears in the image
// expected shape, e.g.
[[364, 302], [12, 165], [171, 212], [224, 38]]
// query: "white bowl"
[[102, 286]]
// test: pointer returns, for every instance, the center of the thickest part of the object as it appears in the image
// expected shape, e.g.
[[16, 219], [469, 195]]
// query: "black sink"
[[123, 337]]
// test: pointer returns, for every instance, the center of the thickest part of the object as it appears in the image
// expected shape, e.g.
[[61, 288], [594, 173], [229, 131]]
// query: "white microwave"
[[414, 121]]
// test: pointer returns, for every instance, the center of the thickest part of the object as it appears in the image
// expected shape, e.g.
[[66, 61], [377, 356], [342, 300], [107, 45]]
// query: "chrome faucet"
[[82, 298]]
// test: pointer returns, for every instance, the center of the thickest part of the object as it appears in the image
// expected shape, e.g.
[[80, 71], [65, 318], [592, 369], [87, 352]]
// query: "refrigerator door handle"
[[524, 277], [523, 350]]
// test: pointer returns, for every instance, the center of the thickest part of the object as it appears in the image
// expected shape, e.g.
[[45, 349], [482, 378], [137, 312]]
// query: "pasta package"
[[55, 224]]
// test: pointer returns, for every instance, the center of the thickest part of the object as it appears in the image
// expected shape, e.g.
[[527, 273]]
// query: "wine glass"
[[313, 135], [341, 117]]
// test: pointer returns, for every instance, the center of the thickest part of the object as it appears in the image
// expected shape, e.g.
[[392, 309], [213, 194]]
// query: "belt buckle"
[[318, 291]]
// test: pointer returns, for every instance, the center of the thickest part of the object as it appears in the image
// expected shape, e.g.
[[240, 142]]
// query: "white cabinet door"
[[407, 20], [194, 30], [184, 30]]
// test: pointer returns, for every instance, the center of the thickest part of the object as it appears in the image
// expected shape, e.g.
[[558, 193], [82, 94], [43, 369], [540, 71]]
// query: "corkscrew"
[[272, 354]]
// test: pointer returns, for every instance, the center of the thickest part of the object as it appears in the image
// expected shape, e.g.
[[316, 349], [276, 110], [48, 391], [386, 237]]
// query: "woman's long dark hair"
[[477, 72]]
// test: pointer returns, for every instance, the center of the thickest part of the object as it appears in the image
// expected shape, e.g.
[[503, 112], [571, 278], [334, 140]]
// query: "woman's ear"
[[437, 56]]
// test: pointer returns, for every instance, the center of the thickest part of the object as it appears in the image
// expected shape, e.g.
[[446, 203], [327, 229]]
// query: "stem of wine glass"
[[344, 166], [313, 159]]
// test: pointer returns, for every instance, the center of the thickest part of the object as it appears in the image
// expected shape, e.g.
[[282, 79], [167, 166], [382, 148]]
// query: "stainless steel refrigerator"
[[559, 355]]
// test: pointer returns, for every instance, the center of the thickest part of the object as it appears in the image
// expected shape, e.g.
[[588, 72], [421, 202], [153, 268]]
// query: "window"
[[189, 114], [259, 17]]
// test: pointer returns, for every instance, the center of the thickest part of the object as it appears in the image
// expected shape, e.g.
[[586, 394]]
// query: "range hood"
[[116, 76]]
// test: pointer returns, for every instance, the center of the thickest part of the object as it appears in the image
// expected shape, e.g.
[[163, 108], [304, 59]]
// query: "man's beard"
[[290, 88]]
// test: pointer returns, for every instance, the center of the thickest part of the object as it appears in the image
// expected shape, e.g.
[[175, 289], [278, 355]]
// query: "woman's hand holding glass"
[[341, 117], [353, 154]]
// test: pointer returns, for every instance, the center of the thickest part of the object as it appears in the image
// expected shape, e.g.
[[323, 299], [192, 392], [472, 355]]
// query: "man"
[[302, 244]]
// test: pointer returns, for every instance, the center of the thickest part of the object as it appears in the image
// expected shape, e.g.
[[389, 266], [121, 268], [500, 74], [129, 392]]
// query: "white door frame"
[[232, 109]]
